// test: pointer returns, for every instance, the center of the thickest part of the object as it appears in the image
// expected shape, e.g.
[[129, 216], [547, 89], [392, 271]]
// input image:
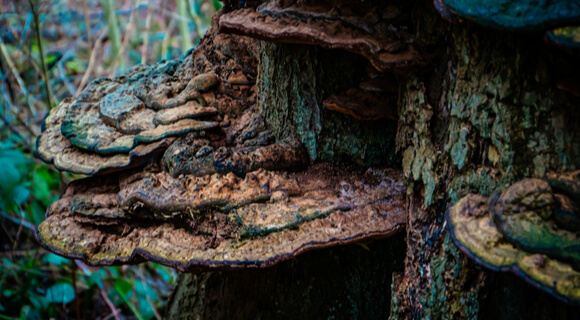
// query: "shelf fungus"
[[531, 229], [374, 99], [565, 37], [374, 29], [213, 187], [221, 221], [516, 15], [129, 120], [53, 147]]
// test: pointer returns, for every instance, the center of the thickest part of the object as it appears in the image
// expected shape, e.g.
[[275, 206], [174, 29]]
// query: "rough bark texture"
[[350, 282], [486, 114], [293, 82]]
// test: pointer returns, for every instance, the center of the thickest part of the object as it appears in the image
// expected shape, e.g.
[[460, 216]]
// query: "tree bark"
[[485, 114]]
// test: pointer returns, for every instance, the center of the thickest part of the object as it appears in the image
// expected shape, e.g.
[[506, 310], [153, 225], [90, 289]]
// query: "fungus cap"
[[364, 28], [473, 231], [517, 15], [54, 148], [334, 207], [523, 214]]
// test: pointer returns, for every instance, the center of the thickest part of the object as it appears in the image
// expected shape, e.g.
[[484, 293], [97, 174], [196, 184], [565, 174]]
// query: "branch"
[[37, 25]]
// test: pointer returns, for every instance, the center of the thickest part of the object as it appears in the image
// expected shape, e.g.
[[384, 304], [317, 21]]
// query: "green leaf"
[[54, 259], [143, 291], [115, 297], [41, 188], [97, 278], [36, 212], [123, 286], [7, 293], [60, 293], [29, 314], [10, 176], [7, 262], [20, 194], [146, 309], [38, 302]]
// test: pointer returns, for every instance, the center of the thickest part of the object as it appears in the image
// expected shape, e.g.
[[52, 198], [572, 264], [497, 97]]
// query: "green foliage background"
[[50, 50]]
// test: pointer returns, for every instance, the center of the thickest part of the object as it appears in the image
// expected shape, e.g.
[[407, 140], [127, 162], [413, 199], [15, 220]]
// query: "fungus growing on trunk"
[[369, 102], [127, 115], [226, 193], [566, 37], [255, 222], [372, 29], [53, 147], [516, 15], [526, 230]]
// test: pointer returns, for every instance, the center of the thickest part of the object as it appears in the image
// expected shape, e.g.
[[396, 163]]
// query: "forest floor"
[[46, 55]]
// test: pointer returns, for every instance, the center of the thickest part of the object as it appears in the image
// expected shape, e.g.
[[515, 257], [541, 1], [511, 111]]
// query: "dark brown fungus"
[[244, 146], [474, 232], [363, 105], [377, 32], [222, 196], [332, 207], [190, 194]]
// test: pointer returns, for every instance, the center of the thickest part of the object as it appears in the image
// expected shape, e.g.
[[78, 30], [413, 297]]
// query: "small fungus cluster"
[[532, 229], [185, 171]]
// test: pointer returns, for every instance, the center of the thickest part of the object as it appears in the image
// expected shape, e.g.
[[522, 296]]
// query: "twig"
[[69, 86], [37, 25], [147, 35], [23, 223], [165, 43], [17, 114], [74, 283], [14, 131], [126, 37], [91, 65], [87, 272], [184, 25], [25, 30], [29, 99], [114, 33], [141, 274], [87, 21]]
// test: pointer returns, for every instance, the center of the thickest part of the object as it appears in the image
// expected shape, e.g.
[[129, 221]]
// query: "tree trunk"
[[485, 114]]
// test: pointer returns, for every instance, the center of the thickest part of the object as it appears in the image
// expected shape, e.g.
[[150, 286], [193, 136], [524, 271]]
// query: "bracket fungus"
[[530, 229], [566, 38], [374, 99], [516, 15], [373, 29], [203, 224], [53, 147], [213, 187]]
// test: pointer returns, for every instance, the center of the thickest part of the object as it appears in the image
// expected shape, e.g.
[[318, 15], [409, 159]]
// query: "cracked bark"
[[486, 114]]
